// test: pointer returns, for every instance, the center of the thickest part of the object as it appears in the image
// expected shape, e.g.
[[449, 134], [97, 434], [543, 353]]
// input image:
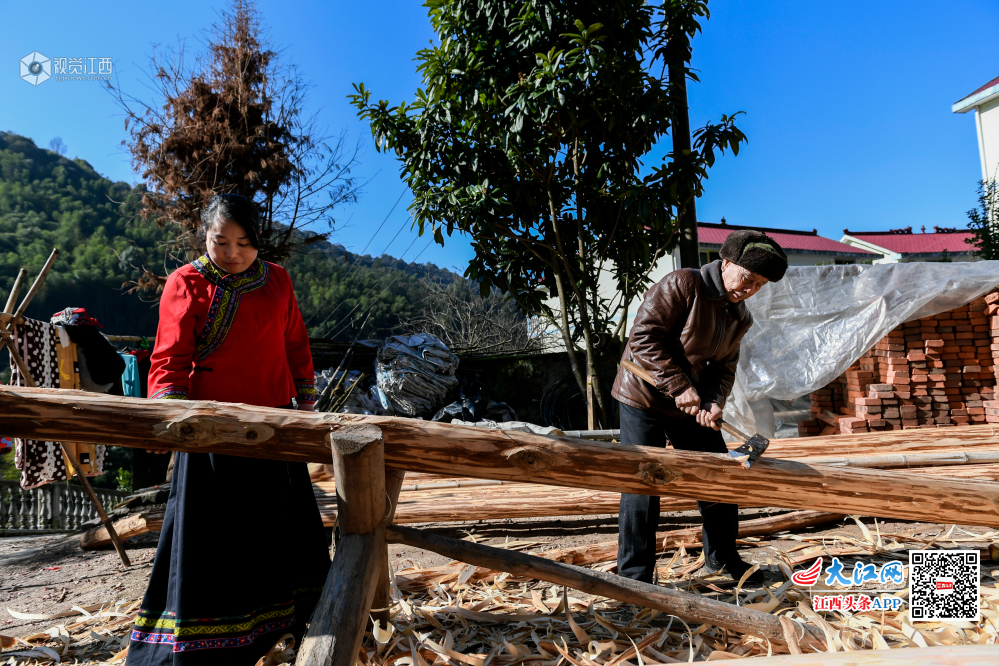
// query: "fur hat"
[[757, 252]]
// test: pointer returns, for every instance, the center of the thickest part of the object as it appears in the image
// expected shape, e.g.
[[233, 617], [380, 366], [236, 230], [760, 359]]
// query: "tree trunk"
[[690, 254]]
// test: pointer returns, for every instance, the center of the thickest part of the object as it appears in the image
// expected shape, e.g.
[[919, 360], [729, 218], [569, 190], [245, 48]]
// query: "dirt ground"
[[50, 573]]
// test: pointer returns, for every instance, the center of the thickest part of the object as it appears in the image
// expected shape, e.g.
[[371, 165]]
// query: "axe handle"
[[643, 374], [732, 430]]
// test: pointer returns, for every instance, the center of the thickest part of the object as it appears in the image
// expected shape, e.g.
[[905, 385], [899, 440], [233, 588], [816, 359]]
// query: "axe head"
[[751, 451]]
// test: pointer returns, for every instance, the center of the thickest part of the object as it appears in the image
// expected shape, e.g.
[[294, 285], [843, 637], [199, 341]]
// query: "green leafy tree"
[[529, 135], [982, 220]]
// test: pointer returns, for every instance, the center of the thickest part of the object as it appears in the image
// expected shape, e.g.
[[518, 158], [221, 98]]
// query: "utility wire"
[[389, 286], [383, 252], [357, 257]]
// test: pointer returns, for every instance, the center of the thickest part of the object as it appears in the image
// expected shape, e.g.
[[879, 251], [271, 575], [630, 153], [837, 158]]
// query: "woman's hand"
[[306, 406], [709, 415], [689, 401]]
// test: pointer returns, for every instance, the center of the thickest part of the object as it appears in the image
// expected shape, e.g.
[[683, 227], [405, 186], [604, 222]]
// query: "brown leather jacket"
[[686, 332]]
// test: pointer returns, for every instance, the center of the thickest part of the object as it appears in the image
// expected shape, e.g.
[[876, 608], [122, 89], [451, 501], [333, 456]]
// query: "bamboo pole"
[[439, 448], [15, 290], [34, 286], [97, 504], [685, 605]]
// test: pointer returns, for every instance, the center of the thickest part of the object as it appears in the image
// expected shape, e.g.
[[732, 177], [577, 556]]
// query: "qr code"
[[944, 585]]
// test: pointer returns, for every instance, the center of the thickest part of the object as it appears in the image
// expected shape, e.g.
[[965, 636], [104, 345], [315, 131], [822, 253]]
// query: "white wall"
[[988, 138]]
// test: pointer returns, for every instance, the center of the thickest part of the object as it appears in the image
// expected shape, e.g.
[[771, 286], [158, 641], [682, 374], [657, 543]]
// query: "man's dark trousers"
[[639, 514]]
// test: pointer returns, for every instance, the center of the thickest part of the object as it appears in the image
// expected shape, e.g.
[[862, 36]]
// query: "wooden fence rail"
[[440, 448]]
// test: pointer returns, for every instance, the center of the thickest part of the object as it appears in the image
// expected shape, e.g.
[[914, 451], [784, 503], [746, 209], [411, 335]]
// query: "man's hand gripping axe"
[[752, 447]]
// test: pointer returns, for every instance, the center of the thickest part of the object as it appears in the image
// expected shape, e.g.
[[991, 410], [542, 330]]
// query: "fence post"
[[341, 616]]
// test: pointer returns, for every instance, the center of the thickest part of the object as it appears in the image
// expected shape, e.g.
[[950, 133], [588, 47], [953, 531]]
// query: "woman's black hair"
[[236, 208]]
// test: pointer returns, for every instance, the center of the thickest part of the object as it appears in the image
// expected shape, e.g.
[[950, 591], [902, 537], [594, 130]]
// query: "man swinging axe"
[[686, 335]]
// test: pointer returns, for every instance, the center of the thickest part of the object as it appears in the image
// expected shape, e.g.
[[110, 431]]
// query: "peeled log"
[[55, 415], [127, 527], [688, 606]]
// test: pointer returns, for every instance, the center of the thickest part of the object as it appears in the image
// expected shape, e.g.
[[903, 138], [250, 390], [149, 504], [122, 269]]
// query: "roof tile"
[[916, 243], [716, 235]]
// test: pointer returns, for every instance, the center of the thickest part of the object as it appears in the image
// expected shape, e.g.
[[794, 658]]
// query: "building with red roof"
[[985, 103], [803, 248], [902, 245]]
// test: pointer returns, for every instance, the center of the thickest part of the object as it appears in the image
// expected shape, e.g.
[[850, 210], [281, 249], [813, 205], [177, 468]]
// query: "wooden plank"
[[687, 606], [505, 455]]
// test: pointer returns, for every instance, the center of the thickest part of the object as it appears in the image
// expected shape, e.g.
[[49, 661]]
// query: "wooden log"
[[949, 655], [687, 606], [127, 527], [505, 455], [337, 627], [531, 500], [539, 502]]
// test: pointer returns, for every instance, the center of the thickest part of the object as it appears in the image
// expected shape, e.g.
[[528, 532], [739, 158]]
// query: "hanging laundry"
[[41, 346], [73, 317], [130, 382]]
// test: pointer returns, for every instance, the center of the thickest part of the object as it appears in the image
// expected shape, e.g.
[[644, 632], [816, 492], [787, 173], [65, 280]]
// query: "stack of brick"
[[932, 372]]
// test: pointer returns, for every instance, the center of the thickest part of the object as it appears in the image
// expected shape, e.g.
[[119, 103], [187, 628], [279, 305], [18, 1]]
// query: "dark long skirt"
[[241, 561]]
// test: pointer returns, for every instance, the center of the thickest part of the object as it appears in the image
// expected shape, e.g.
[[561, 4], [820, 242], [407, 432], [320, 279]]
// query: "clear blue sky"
[[847, 103]]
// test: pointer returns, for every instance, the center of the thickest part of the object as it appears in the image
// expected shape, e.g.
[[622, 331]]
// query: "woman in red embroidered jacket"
[[242, 555]]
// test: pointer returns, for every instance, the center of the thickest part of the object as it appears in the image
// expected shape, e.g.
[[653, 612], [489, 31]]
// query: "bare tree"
[[475, 326], [232, 122]]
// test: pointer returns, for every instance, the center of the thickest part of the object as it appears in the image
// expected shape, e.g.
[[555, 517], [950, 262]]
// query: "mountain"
[[47, 201]]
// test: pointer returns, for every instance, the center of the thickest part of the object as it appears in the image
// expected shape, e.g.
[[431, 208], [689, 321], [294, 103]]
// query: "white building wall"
[[987, 119]]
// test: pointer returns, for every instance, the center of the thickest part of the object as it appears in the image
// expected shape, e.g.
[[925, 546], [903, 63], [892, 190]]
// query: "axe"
[[752, 447]]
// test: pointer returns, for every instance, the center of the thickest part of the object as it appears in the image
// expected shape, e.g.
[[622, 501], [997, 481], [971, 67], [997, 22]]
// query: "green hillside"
[[49, 201]]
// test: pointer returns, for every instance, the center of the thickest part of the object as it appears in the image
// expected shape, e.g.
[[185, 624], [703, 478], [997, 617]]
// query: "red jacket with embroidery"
[[231, 338]]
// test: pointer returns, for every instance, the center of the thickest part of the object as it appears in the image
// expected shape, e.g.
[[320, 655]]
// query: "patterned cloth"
[[73, 317], [42, 462], [225, 302]]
